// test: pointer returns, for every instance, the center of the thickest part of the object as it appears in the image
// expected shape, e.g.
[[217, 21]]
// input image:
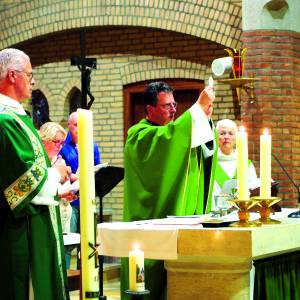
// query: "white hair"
[[49, 130], [11, 58], [226, 123]]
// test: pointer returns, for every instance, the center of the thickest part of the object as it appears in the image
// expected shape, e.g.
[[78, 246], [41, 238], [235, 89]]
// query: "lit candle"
[[89, 273], [136, 270], [242, 164], [265, 165]]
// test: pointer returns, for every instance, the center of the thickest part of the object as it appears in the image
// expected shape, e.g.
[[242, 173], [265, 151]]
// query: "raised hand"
[[206, 100]]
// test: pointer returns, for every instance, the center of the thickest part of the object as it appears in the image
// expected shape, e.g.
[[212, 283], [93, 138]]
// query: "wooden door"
[[186, 92]]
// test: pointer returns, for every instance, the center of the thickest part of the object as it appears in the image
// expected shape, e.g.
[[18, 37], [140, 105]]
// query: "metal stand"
[[295, 214], [137, 295], [101, 257]]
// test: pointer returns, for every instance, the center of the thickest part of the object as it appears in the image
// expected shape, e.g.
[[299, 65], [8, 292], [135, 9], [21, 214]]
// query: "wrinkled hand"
[[64, 171], [206, 100], [74, 177]]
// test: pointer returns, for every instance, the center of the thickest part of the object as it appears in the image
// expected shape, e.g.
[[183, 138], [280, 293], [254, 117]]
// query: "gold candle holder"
[[243, 206], [265, 209]]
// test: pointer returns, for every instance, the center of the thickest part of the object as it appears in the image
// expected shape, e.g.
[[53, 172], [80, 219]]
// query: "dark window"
[[40, 108]]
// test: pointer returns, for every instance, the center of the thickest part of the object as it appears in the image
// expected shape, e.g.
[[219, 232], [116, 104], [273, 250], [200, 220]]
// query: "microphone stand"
[[295, 214]]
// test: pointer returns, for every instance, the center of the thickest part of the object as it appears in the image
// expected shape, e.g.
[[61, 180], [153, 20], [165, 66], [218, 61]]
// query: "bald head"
[[72, 124]]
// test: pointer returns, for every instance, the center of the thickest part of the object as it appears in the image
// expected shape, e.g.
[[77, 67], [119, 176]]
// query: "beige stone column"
[[202, 279]]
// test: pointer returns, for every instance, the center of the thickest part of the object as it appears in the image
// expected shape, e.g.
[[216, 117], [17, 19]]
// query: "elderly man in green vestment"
[[31, 246], [169, 168]]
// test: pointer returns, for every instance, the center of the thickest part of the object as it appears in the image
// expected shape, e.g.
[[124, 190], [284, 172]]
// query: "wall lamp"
[[235, 64]]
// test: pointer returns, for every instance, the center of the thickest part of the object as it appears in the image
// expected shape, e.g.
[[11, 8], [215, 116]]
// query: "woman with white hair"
[[226, 168], [53, 136]]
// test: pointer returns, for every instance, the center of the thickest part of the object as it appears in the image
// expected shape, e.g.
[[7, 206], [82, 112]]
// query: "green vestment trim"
[[30, 235], [164, 176], [221, 176], [23, 186]]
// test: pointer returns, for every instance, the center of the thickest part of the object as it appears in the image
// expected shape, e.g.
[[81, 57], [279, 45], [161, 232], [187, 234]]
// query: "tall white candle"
[[89, 272], [265, 165], [242, 164], [136, 270]]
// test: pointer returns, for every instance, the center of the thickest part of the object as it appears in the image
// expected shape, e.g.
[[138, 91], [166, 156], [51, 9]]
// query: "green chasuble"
[[31, 244], [164, 176]]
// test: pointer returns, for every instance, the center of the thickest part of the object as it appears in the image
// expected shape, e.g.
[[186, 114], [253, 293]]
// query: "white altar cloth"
[[161, 240], [157, 239]]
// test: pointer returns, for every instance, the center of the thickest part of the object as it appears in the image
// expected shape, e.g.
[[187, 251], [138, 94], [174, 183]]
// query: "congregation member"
[[226, 168], [53, 136], [32, 254], [169, 166]]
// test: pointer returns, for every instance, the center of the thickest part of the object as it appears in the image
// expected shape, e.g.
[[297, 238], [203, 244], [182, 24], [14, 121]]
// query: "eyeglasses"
[[168, 106], [58, 142], [29, 75]]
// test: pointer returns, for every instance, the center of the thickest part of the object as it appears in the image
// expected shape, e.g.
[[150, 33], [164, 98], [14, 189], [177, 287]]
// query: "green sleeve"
[[23, 176], [156, 162]]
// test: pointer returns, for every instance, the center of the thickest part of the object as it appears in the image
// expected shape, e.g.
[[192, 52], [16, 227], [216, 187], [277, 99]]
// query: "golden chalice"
[[265, 209], [243, 206]]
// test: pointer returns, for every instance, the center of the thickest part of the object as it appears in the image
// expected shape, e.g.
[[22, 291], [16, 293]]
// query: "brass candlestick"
[[265, 209], [243, 207]]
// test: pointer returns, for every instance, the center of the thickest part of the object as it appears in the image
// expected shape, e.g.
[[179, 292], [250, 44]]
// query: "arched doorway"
[[40, 108]]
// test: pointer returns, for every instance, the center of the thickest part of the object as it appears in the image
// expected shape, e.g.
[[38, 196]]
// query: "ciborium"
[[265, 209], [243, 207]]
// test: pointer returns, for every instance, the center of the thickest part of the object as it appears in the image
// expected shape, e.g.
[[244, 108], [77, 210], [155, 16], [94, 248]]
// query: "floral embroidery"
[[29, 181], [26, 183]]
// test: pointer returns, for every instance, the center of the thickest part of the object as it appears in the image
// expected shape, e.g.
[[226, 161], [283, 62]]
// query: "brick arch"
[[40, 85], [164, 68], [69, 85], [217, 21], [65, 95]]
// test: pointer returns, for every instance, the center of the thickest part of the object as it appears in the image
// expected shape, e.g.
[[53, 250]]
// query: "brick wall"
[[124, 55], [133, 41], [215, 20], [275, 58]]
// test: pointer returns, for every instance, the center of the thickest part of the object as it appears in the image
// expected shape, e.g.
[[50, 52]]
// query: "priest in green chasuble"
[[169, 168], [32, 255]]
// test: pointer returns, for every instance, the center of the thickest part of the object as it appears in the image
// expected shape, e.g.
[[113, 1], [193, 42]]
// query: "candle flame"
[[242, 129], [136, 246], [266, 132]]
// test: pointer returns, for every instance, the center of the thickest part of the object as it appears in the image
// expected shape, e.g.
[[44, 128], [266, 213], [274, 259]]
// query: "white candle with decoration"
[[89, 272], [136, 270], [265, 165], [242, 164]]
